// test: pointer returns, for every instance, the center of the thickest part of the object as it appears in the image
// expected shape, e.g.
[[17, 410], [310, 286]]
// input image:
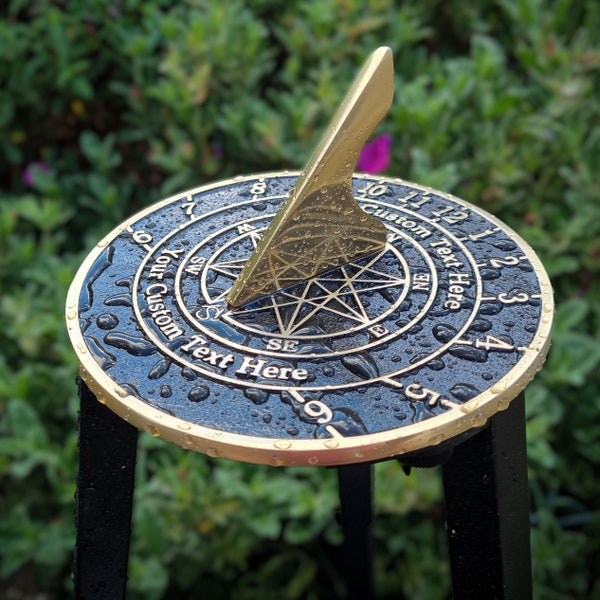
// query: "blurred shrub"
[[106, 106]]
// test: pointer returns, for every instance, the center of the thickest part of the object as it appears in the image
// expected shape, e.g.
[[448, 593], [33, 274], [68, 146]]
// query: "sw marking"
[[195, 265]]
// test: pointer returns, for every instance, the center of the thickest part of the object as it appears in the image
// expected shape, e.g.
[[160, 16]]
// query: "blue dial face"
[[390, 353]]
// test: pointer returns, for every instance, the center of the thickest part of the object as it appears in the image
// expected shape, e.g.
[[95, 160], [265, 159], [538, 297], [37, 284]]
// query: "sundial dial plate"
[[391, 353]]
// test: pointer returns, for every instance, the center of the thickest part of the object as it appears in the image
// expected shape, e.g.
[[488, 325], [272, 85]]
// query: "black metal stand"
[[486, 493], [107, 450], [356, 502], [487, 504]]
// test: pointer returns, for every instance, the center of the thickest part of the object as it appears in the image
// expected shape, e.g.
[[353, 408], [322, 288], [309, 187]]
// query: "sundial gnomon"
[[404, 348]]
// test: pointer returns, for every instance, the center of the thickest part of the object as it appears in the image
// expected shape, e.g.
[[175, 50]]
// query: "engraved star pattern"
[[342, 293]]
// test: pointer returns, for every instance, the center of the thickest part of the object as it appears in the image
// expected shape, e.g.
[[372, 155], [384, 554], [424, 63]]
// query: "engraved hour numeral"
[[507, 261], [141, 237], [416, 391], [415, 203], [372, 190], [188, 207], [450, 215], [514, 296], [315, 409], [499, 263], [258, 188]]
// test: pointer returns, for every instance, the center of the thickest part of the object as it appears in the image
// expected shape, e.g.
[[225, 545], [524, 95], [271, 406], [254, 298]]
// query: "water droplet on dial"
[[198, 393], [152, 429]]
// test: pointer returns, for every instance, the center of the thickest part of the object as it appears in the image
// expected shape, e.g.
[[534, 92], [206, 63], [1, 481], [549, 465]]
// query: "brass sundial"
[[323, 318]]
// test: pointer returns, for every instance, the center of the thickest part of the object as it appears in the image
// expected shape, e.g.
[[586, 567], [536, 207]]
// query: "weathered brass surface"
[[321, 226]]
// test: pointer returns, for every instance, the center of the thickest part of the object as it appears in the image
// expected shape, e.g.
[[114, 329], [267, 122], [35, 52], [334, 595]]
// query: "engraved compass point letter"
[[320, 225]]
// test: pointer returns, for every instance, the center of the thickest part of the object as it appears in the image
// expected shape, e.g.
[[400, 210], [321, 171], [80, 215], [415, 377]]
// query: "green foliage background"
[[128, 101]]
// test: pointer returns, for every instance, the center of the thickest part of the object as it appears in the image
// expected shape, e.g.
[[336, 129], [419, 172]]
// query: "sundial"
[[315, 318]]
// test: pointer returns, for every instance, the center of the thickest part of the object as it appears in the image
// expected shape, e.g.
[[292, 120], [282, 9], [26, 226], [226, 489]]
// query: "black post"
[[356, 501], [487, 504], [107, 451]]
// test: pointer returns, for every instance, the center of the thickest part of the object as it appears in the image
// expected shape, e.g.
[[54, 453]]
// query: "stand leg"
[[487, 503], [107, 451], [356, 500]]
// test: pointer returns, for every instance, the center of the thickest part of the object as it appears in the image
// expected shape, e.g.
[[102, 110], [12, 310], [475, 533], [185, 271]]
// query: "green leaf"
[[569, 315], [572, 358], [488, 55], [561, 264]]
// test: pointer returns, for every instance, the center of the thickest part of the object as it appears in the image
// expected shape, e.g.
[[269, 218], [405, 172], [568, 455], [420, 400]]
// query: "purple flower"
[[375, 155], [217, 150], [28, 175]]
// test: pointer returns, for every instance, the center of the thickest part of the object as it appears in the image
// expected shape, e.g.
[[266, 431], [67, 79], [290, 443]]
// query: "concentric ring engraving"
[[388, 354]]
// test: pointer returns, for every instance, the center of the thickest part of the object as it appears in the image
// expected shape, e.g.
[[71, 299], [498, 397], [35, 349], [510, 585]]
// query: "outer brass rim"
[[337, 451]]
